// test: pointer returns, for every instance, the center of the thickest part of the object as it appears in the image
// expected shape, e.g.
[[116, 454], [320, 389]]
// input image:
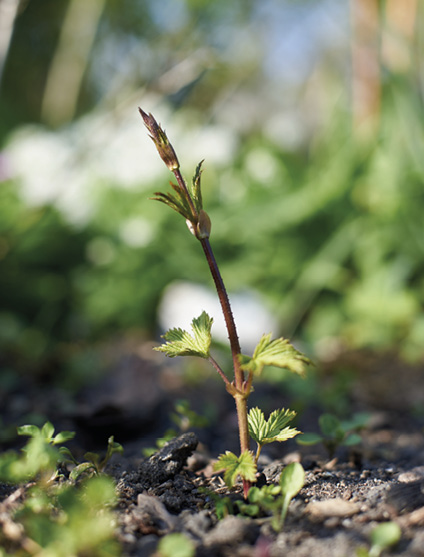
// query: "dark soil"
[[380, 480]]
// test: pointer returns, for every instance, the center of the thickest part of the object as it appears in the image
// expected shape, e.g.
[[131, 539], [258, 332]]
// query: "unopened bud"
[[165, 149], [203, 225]]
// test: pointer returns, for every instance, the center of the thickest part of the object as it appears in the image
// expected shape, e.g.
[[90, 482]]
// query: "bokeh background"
[[309, 115]]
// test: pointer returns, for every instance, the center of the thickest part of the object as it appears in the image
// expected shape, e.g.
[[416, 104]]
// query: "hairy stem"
[[218, 369], [226, 309], [240, 396]]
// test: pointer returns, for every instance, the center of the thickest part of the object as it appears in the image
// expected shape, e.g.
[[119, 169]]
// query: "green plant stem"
[[218, 369], [226, 310], [241, 395]]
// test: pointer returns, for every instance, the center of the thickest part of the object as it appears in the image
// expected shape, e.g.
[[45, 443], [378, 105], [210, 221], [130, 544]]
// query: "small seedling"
[[187, 201], [39, 456], [184, 418], [94, 464], [382, 537], [275, 499], [336, 433], [56, 516]]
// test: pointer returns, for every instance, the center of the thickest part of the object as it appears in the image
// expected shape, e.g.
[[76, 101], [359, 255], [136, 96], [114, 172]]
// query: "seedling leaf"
[[292, 480], [384, 536], [310, 439], [47, 431], [352, 439], [234, 466], [182, 343], [176, 545], [278, 352], [331, 426], [274, 429], [29, 430], [82, 471], [63, 437]]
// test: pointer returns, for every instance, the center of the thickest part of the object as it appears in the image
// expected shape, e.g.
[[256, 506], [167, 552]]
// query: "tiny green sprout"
[[184, 418], [46, 433], [259, 499], [66, 520], [94, 464], [187, 201], [176, 545], [382, 537], [275, 499], [38, 458], [336, 433], [274, 429]]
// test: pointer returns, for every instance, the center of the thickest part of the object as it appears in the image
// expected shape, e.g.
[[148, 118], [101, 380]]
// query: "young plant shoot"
[[187, 201]]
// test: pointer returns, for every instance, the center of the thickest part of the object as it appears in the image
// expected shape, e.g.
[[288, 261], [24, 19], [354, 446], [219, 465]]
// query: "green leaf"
[[195, 189], [234, 466], [278, 353], [265, 496], [182, 343], [383, 536], [63, 437], [330, 426], [83, 470], [352, 439], [292, 479], [176, 545], [47, 431], [64, 451], [310, 439], [93, 459], [29, 430], [263, 431]]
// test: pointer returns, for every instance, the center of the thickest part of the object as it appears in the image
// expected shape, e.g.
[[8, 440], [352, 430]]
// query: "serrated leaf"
[[278, 352], [274, 429], [182, 343], [234, 466]]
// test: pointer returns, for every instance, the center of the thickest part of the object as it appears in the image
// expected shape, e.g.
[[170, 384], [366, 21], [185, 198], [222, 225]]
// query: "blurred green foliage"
[[329, 231]]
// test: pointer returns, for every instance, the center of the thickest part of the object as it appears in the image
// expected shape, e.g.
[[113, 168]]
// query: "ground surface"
[[342, 500]]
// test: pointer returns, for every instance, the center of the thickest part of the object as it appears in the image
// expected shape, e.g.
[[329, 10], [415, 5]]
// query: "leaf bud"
[[160, 139], [203, 225]]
